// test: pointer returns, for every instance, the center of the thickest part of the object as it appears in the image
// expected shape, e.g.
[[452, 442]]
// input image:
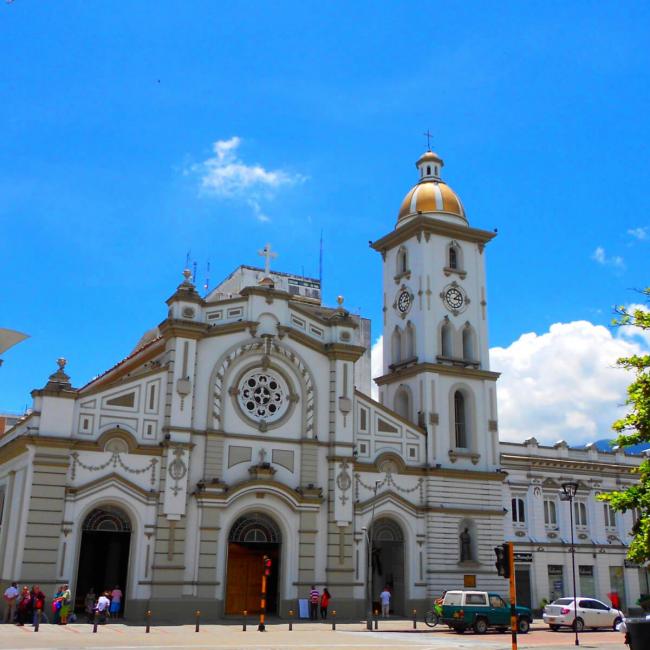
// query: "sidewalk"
[[392, 635]]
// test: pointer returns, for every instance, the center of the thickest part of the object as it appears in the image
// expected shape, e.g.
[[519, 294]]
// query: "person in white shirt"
[[10, 595], [103, 603], [384, 597]]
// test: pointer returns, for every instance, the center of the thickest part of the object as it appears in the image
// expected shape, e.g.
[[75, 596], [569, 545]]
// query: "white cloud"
[[638, 233], [562, 384], [615, 261], [226, 175]]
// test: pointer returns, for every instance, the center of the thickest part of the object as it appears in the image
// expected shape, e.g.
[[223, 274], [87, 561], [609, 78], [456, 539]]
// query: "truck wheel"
[[523, 626], [480, 626]]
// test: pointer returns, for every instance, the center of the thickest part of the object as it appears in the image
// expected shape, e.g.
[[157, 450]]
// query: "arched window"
[[518, 511], [428, 170], [403, 403], [453, 257], [468, 343], [446, 340], [610, 516], [550, 513], [396, 345], [580, 513], [410, 341], [402, 261], [460, 420]]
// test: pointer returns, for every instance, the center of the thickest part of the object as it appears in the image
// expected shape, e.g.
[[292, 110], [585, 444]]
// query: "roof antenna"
[[194, 273], [187, 259], [320, 263], [206, 286]]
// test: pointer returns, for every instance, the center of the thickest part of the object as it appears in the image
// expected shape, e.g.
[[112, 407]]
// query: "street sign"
[[523, 557]]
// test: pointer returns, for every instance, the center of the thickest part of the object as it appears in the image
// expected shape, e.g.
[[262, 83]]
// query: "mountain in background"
[[606, 445]]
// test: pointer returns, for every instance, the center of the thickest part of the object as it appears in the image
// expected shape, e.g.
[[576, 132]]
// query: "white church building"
[[242, 426]]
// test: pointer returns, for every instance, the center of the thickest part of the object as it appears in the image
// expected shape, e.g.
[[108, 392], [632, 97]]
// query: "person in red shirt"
[[38, 604], [324, 602]]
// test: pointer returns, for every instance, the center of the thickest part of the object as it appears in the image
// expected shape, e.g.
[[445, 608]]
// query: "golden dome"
[[431, 194]]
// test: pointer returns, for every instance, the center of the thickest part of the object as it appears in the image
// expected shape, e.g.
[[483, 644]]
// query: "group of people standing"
[[28, 605], [108, 603], [318, 600], [25, 606]]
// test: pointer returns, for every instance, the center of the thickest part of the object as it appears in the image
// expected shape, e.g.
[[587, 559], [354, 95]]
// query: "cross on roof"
[[428, 136], [268, 255]]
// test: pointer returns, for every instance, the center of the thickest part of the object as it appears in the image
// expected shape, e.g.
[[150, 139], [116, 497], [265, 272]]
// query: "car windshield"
[[563, 601]]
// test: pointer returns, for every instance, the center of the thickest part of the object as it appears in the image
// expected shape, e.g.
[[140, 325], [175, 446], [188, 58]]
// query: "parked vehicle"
[[591, 613], [481, 610]]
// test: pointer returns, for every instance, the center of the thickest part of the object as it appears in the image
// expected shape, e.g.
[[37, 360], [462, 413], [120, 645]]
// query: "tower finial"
[[428, 136]]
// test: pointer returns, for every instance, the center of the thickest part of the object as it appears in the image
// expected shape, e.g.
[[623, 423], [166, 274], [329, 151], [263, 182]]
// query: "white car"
[[591, 613]]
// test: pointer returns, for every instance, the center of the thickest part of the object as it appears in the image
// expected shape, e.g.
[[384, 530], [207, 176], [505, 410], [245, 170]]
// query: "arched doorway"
[[388, 563], [252, 536], [104, 554]]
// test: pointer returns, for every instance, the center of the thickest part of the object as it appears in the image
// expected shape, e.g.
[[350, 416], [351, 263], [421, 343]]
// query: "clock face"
[[454, 298], [404, 301]]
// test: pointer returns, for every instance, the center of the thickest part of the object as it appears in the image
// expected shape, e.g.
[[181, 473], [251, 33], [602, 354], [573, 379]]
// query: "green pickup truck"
[[481, 610]]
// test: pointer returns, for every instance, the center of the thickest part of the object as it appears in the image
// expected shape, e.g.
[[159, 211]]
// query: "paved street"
[[393, 636]]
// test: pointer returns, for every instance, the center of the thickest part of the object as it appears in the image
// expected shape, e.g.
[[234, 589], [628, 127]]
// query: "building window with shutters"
[[550, 514], [610, 516], [518, 511], [580, 514]]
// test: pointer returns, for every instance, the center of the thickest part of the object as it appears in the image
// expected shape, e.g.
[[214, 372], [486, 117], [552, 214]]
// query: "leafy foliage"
[[632, 429]]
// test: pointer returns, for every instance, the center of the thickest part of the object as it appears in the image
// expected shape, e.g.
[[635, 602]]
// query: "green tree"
[[632, 429]]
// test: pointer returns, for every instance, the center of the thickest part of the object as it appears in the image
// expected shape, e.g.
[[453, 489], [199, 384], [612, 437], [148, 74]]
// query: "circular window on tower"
[[263, 395]]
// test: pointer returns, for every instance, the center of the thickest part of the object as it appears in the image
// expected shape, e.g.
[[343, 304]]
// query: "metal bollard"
[[244, 625], [198, 619], [95, 622], [334, 619], [290, 620], [415, 619], [38, 619], [376, 619], [148, 627]]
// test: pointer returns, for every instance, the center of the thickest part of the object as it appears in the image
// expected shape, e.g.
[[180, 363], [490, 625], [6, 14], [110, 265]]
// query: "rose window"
[[263, 396]]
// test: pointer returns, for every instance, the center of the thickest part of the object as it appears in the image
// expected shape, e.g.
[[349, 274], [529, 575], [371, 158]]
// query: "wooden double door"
[[244, 577]]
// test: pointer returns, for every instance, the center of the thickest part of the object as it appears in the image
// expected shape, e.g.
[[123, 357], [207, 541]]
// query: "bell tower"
[[435, 360]]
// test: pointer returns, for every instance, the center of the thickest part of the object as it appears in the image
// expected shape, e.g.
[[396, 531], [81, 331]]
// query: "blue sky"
[[110, 110]]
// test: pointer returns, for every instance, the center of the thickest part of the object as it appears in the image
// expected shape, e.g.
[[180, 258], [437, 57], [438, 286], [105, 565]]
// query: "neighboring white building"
[[538, 522], [242, 426]]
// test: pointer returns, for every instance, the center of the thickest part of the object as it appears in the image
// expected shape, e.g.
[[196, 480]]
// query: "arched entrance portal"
[[104, 555], [388, 563], [252, 536]]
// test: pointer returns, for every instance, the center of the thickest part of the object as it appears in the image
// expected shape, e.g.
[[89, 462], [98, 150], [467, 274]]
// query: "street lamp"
[[568, 493], [368, 537]]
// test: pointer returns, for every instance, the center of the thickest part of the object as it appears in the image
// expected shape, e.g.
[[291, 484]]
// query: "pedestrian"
[[38, 605], [324, 602], [103, 603], [116, 601], [314, 598], [384, 597], [23, 608], [90, 601], [10, 596], [56, 606], [66, 602]]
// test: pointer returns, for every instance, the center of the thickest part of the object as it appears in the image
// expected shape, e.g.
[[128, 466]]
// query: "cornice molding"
[[436, 368], [426, 224]]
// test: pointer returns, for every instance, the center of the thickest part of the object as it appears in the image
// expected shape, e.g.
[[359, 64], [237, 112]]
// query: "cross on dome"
[[268, 255], [428, 136]]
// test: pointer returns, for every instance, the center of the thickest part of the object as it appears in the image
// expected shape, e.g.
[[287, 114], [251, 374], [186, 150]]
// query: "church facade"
[[242, 427]]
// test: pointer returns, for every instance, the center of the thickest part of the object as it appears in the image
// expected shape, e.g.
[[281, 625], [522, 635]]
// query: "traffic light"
[[503, 560], [267, 565]]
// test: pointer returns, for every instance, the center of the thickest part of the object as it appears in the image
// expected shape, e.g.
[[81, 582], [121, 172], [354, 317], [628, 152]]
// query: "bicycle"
[[431, 618]]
